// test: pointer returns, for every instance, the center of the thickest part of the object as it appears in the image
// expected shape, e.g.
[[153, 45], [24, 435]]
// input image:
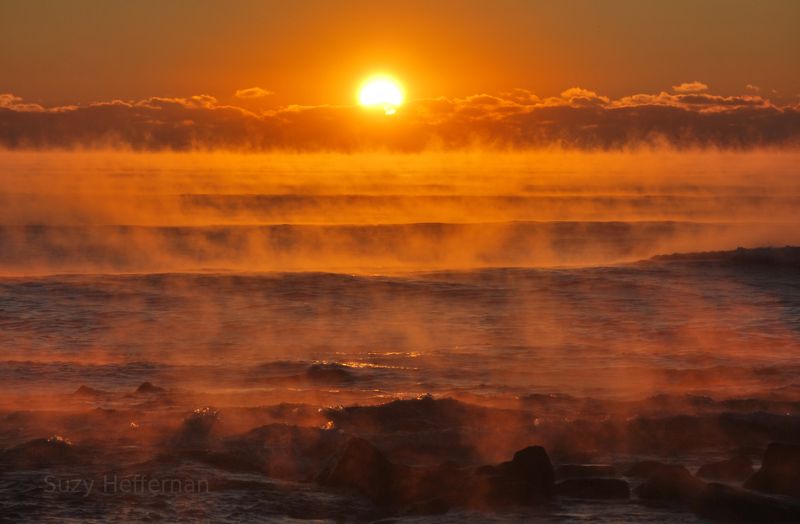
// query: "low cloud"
[[690, 87], [9, 101], [252, 92], [577, 118]]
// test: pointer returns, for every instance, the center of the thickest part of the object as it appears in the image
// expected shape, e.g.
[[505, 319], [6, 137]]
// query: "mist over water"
[[120, 212], [518, 281]]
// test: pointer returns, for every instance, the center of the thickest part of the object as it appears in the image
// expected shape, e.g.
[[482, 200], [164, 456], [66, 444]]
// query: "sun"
[[381, 92]]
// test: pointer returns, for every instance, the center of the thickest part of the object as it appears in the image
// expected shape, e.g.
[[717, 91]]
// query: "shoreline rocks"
[[670, 483], [728, 504], [580, 471], [527, 480], [779, 472], [735, 469], [594, 488]]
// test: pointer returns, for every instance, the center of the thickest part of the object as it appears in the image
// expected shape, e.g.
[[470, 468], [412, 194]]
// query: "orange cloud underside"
[[688, 117]]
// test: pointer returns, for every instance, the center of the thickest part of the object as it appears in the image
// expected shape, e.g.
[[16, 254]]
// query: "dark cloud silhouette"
[[578, 118]]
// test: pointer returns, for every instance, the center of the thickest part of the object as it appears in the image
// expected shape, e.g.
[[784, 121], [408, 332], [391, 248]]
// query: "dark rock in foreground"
[[362, 467], [735, 469], [581, 471], [424, 413], [43, 453], [725, 503], [593, 488], [526, 480], [196, 429], [279, 451], [669, 483], [644, 468], [780, 471]]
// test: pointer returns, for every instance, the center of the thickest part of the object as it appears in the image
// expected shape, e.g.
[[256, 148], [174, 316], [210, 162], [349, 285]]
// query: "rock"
[[581, 471], [780, 471], [728, 504], [746, 428], [281, 451], [428, 507], [147, 388], [44, 452], [423, 414], [593, 488], [526, 480], [734, 469], [428, 447], [670, 484], [86, 391], [643, 469], [196, 428], [533, 465], [363, 468], [329, 374], [429, 490]]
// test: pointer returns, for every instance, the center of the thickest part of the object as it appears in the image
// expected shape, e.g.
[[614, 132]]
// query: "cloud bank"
[[578, 118]]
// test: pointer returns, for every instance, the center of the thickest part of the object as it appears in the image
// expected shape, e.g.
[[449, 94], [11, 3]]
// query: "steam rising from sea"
[[119, 212], [516, 281]]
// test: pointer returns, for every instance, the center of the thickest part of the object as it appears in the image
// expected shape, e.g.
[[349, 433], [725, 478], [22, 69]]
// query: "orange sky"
[[315, 52]]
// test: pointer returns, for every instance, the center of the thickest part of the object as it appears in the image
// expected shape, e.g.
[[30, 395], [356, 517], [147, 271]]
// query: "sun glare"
[[383, 92]]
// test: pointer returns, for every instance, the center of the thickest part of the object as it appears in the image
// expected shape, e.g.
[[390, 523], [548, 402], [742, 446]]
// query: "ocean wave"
[[88, 249], [788, 256]]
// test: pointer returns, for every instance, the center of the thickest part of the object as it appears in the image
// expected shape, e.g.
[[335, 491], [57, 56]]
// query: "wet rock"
[[533, 466], [593, 488], [427, 448], [528, 479], [329, 374], [87, 392], [427, 430], [147, 388], [579, 471], [571, 454], [525, 480], [673, 435], [424, 413], [725, 503], [429, 507], [734, 469], [362, 467], [780, 471], [196, 428], [282, 451], [669, 483], [644, 468], [746, 428], [432, 489], [44, 452]]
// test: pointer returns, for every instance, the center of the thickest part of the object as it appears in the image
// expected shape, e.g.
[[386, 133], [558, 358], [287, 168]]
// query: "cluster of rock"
[[344, 461], [526, 480], [763, 498]]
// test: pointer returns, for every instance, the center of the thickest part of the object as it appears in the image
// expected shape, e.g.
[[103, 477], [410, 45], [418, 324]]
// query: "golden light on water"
[[381, 92]]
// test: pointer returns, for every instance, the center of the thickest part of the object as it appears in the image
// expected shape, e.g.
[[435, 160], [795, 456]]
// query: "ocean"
[[611, 307]]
